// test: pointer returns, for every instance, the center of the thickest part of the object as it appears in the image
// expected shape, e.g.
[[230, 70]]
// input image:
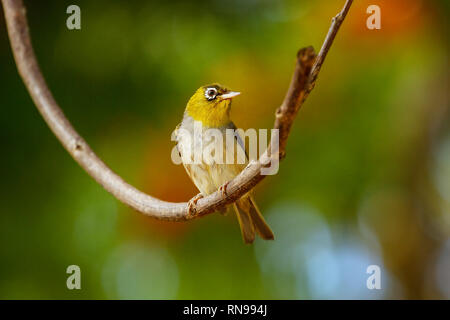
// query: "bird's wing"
[[175, 134], [238, 137]]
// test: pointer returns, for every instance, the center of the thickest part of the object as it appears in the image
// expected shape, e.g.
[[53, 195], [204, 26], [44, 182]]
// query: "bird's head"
[[211, 105]]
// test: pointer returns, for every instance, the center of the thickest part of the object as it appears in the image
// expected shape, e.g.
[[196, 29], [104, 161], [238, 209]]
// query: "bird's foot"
[[192, 210], [223, 188]]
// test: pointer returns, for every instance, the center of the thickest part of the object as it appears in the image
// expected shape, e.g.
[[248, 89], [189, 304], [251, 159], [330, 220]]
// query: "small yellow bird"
[[210, 106]]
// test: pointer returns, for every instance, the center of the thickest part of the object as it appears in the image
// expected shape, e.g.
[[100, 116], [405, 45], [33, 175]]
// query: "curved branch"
[[303, 80]]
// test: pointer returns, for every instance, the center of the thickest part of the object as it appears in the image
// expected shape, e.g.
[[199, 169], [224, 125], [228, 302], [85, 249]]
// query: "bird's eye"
[[210, 93]]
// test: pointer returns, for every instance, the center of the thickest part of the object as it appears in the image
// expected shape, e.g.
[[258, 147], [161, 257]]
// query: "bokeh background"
[[366, 179]]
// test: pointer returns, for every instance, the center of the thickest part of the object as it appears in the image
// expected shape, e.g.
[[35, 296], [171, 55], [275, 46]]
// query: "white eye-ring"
[[210, 93]]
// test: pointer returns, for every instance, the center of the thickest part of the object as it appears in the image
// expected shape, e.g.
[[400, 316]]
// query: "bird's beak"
[[229, 95]]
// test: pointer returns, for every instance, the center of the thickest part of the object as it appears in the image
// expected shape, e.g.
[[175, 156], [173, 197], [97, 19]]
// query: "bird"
[[210, 107]]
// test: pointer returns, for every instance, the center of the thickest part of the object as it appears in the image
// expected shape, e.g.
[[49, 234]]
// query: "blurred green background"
[[366, 179]]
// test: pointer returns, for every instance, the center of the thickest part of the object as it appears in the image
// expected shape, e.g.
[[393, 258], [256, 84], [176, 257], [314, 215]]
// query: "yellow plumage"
[[210, 106], [214, 114]]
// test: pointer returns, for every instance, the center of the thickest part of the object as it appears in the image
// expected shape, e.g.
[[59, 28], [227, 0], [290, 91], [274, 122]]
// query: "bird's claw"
[[223, 189], [192, 205]]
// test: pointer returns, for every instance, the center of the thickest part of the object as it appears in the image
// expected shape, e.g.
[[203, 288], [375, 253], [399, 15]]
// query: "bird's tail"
[[251, 220]]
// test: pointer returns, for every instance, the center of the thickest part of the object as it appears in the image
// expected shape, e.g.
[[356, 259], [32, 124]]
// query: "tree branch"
[[303, 80]]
